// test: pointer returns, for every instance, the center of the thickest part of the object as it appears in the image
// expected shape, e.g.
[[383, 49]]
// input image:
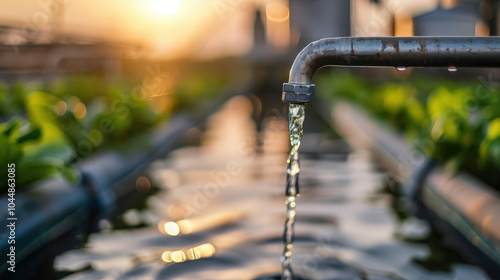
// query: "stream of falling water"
[[296, 115]]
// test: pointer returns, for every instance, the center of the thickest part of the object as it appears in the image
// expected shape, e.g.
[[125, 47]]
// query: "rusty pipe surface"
[[389, 52]]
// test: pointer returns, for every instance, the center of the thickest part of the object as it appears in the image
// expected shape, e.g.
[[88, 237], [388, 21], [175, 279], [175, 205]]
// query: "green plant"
[[447, 120], [34, 152], [48, 130]]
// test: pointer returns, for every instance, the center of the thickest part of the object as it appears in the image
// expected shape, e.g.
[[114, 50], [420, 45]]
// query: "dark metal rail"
[[389, 52]]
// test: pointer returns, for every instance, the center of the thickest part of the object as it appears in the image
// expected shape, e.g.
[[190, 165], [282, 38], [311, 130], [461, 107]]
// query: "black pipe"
[[389, 52]]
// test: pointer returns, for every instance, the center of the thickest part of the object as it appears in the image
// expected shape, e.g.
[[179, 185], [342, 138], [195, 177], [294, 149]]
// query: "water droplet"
[[452, 69], [400, 68]]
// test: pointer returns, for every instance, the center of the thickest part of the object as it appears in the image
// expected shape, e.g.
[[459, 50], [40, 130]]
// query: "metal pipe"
[[389, 52]]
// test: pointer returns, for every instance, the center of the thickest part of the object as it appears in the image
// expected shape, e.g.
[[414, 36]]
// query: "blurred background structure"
[[118, 112], [194, 29]]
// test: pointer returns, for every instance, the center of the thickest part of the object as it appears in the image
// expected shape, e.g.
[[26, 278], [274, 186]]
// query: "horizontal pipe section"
[[395, 52]]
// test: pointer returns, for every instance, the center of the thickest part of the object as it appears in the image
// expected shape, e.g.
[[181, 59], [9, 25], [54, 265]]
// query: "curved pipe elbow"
[[310, 60]]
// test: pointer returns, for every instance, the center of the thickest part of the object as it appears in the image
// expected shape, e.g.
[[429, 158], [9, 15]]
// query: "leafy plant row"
[[455, 123], [48, 129]]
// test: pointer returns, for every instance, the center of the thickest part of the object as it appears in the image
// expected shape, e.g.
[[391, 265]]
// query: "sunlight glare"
[[165, 7]]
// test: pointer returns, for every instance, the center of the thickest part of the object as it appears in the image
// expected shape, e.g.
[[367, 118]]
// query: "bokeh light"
[[171, 228], [202, 251], [60, 108], [143, 185], [277, 12]]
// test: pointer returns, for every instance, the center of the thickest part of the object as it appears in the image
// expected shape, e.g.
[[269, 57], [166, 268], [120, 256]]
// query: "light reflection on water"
[[202, 251], [220, 215]]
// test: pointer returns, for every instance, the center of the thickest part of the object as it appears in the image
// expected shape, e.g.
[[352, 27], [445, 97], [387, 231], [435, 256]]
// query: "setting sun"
[[165, 7]]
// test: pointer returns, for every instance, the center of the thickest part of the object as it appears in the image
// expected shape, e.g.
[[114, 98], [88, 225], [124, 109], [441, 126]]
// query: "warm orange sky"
[[202, 27]]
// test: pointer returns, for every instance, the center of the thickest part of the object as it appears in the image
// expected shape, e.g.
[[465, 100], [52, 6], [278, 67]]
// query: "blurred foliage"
[[47, 129], [453, 122]]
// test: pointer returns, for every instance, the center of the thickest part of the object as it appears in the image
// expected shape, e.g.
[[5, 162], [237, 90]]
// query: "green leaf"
[[494, 129], [53, 143], [10, 152], [33, 134], [38, 149], [494, 152], [39, 106], [31, 171], [11, 129]]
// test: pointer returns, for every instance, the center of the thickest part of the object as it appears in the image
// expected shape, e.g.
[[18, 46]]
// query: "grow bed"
[[461, 206]]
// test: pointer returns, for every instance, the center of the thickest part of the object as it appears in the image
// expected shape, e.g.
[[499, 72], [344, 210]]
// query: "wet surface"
[[220, 215]]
